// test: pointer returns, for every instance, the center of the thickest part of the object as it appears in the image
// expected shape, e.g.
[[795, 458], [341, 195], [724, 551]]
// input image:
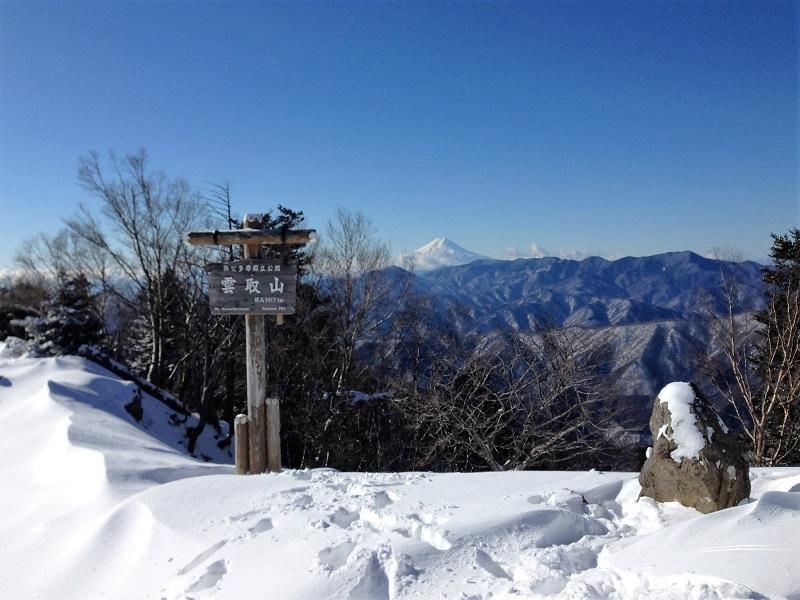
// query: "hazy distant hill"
[[593, 292]]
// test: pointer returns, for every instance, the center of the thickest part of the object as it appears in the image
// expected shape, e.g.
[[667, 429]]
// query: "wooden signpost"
[[254, 288]]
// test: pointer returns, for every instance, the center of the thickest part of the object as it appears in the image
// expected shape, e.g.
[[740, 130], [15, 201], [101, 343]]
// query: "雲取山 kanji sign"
[[246, 287]]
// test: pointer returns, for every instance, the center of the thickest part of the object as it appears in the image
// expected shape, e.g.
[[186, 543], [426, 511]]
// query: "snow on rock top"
[[13, 347], [437, 253], [679, 398]]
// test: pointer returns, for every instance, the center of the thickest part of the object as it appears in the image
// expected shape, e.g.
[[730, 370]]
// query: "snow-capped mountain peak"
[[440, 252]]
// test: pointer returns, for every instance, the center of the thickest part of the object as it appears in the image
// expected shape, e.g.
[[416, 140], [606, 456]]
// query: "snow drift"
[[95, 505]]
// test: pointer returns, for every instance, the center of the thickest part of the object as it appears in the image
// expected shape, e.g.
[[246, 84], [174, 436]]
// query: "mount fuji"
[[437, 253]]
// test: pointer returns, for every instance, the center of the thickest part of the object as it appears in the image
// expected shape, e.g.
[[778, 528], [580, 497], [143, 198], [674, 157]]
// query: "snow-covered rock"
[[694, 459], [13, 347], [437, 253], [95, 505]]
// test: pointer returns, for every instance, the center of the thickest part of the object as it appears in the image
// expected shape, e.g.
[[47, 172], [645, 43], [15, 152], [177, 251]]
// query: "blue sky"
[[605, 127]]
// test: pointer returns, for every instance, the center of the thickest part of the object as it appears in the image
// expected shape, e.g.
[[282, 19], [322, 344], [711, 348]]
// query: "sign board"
[[252, 287]]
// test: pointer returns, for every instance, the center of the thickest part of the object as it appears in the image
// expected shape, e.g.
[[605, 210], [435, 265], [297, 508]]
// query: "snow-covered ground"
[[94, 505]]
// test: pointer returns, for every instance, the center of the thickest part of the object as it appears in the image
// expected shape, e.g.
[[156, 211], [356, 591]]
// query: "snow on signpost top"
[[679, 398]]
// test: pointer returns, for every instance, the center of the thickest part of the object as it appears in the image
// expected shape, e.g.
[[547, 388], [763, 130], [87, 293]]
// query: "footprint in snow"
[[243, 516], [210, 578], [488, 564], [422, 528], [374, 582], [303, 501], [383, 499], [294, 490], [336, 556], [205, 554], [262, 526], [343, 517]]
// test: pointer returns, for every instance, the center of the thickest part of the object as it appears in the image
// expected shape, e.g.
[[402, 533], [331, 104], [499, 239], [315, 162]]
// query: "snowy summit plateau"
[[102, 505], [437, 253]]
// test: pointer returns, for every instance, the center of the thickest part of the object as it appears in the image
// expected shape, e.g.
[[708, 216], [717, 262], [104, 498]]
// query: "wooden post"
[[258, 432], [256, 351], [242, 447], [273, 434]]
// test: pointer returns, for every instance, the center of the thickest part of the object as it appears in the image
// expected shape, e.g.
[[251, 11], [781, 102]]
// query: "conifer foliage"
[[777, 356], [758, 372], [70, 321]]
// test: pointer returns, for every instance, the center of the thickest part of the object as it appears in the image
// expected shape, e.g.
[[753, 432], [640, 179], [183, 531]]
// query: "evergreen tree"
[[777, 354], [70, 321], [784, 274], [782, 283], [21, 299], [283, 219]]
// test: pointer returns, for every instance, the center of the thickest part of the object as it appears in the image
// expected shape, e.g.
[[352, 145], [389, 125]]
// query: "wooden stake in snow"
[[257, 428], [273, 417], [254, 288], [242, 448]]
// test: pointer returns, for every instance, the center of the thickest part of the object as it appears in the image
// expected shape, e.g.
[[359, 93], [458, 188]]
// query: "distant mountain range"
[[652, 312], [593, 292]]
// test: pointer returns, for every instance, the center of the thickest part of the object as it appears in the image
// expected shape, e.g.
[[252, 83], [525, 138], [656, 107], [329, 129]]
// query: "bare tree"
[[49, 256], [524, 405], [757, 369], [350, 269], [765, 404], [139, 227], [220, 204]]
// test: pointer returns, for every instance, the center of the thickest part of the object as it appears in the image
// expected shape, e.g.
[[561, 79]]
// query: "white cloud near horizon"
[[537, 251]]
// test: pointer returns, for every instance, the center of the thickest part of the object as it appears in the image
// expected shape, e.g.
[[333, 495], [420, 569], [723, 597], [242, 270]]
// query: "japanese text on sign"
[[252, 286]]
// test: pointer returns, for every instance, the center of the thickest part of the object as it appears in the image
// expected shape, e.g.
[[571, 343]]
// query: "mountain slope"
[[594, 292], [653, 314]]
